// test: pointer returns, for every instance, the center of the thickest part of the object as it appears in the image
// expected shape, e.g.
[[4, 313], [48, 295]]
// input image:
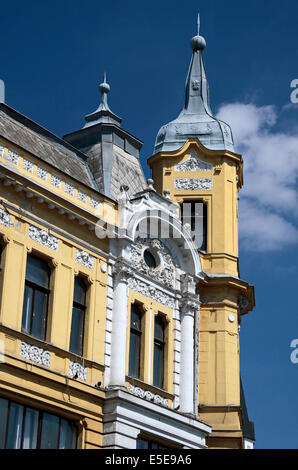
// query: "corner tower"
[[194, 163]]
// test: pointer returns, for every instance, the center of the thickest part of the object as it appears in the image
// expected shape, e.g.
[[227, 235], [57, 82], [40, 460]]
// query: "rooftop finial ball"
[[198, 43], [104, 87]]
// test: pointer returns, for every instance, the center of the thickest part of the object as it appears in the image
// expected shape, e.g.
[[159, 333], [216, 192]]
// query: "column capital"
[[189, 304], [122, 271], [188, 284]]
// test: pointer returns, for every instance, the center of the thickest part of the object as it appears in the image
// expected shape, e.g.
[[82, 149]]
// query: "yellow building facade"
[[121, 299]]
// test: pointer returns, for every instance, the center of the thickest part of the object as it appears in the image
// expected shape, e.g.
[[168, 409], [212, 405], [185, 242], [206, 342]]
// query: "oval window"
[[150, 259]]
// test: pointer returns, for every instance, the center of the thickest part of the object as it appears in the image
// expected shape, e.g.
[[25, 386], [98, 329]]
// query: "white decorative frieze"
[[42, 173], [43, 237], [1, 150], [150, 291], [28, 165], [82, 196], [193, 163], [56, 181], [147, 395], [13, 157], [4, 218], [69, 188], [84, 258], [77, 371], [193, 183], [35, 354]]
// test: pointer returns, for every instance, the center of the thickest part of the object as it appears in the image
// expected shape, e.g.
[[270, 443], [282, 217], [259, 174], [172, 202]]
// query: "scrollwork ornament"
[[148, 395]]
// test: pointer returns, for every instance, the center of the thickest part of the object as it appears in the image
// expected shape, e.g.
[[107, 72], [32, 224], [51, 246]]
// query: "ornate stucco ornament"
[[193, 163], [164, 271], [43, 237], [35, 354], [150, 291], [193, 183], [4, 218], [147, 395], [77, 370], [84, 258]]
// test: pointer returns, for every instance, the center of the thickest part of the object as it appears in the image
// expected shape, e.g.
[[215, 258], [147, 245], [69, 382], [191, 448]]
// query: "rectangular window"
[[36, 297], [22, 427], [78, 317], [146, 444], [159, 352], [135, 341], [194, 213]]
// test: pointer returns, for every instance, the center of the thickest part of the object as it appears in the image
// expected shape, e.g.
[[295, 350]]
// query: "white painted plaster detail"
[[43, 237], [77, 370], [84, 258], [193, 183], [35, 354], [147, 395], [193, 163], [28, 165]]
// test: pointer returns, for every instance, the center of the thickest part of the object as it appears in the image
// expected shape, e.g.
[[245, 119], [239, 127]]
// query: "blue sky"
[[53, 55]]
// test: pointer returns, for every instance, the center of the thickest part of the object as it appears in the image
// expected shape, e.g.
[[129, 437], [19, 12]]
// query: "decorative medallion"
[[42, 173], [69, 188], [84, 258], [82, 196], [35, 354], [43, 237], [56, 181], [94, 202], [28, 165], [193, 163], [193, 183], [13, 157], [77, 371], [147, 395]]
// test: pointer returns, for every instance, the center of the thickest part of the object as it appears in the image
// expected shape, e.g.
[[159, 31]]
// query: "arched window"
[[35, 307], [76, 343], [135, 341], [194, 213], [159, 352]]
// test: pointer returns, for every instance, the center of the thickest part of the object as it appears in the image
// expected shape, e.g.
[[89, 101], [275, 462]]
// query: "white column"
[[119, 325], [189, 306]]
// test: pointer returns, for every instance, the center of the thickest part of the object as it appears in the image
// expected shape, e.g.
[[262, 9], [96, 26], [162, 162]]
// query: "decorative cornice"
[[147, 395], [35, 354], [193, 183], [84, 258], [44, 238]]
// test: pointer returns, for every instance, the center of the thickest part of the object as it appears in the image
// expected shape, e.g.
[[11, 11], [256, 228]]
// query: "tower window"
[[135, 341], [159, 352], [35, 307], [194, 213], [78, 317]]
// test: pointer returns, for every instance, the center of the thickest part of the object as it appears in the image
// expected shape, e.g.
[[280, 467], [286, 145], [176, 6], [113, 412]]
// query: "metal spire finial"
[[198, 23], [198, 43]]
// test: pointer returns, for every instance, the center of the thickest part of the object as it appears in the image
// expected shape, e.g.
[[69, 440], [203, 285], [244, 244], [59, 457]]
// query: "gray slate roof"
[[35, 139]]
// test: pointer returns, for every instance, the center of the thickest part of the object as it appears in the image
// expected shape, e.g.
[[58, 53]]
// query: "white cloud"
[[268, 207]]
